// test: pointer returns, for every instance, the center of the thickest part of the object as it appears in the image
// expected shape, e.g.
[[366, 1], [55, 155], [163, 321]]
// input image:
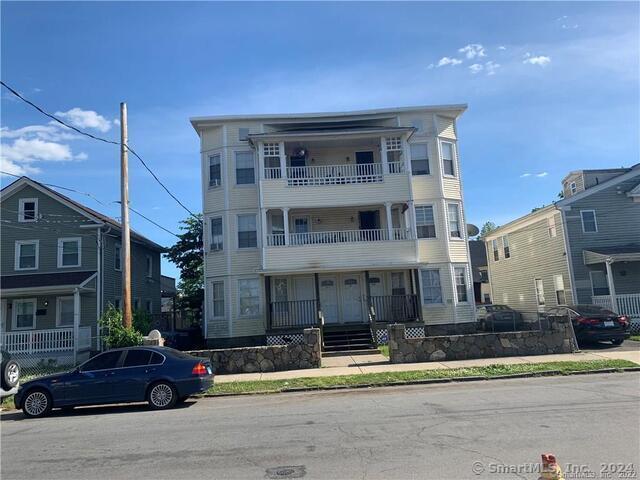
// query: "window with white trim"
[[215, 170], [217, 299], [149, 266], [539, 292], [561, 295], [243, 134], [24, 314], [448, 156], [394, 154], [455, 229], [27, 253], [249, 297], [551, 223], [117, 257], [28, 210], [431, 287], [573, 188], [496, 250], [65, 310], [419, 159], [589, 223], [425, 221], [271, 154], [69, 252], [505, 246], [247, 231], [461, 284], [245, 168], [599, 283], [217, 239]]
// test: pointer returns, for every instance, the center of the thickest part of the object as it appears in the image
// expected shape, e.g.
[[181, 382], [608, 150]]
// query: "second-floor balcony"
[[346, 174]]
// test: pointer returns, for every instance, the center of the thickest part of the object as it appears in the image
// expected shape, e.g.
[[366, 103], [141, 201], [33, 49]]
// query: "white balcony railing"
[[627, 304], [341, 236], [42, 341], [334, 174]]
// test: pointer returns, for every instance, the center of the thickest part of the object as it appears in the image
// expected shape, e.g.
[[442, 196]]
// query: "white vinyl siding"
[[247, 231], [553, 231], [28, 210], [245, 168], [249, 297], [431, 286], [69, 252], [27, 254], [425, 221], [589, 222], [64, 311], [24, 314]]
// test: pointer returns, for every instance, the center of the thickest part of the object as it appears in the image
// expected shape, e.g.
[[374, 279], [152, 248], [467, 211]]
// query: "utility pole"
[[124, 205]]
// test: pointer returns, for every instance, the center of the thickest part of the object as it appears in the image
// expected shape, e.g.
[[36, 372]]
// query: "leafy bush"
[[142, 321], [116, 334]]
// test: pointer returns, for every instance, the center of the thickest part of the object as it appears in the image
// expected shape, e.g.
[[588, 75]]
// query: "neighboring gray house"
[[480, 272], [60, 270], [583, 249]]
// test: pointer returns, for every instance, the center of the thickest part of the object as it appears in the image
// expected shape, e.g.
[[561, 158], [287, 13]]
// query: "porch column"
[[283, 160], [76, 324], [387, 206], [263, 231], [383, 155], [285, 220], [412, 220], [611, 283]]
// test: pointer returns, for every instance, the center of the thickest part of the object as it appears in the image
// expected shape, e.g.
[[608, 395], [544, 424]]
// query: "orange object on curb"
[[550, 468]]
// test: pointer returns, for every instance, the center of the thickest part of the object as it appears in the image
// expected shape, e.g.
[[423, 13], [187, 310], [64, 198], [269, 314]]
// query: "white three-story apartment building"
[[341, 218]]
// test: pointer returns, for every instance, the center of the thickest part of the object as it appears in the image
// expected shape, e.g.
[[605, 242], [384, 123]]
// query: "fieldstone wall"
[[559, 338], [271, 358]]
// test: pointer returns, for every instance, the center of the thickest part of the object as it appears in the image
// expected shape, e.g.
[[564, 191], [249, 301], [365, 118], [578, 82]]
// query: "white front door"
[[351, 298], [329, 298]]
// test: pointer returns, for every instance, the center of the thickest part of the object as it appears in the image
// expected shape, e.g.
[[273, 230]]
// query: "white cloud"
[[542, 174], [491, 67], [525, 175], [539, 175], [540, 60], [54, 132], [502, 47], [20, 157], [476, 68], [473, 50], [85, 119], [448, 61], [569, 27]]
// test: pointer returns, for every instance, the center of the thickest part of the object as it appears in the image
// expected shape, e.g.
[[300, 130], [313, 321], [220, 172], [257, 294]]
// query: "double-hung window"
[[455, 229], [461, 284], [245, 168], [217, 242], [496, 251], [28, 210], [69, 252], [215, 170], [24, 314], [64, 311], [149, 266], [217, 297], [27, 253], [561, 296], [448, 156], [425, 221], [589, 223], [249, 297], [394, 154], [505, 246], [271, 154], [431, 287], [247, 231], [573, 188], [117, 257], [419, 159]]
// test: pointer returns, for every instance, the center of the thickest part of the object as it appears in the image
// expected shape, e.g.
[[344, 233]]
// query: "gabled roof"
[[91, 214], [633, 172]]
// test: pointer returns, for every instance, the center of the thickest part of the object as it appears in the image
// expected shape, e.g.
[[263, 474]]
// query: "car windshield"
[[592, 310]]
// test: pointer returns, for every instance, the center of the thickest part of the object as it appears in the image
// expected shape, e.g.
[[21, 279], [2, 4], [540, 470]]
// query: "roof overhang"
[[627, 253], [330, 134], [47, 283]]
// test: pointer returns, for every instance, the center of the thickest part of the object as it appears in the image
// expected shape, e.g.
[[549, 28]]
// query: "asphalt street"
[[448, 431]]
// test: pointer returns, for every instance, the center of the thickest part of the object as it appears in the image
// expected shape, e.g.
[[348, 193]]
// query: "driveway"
[[426, 431]]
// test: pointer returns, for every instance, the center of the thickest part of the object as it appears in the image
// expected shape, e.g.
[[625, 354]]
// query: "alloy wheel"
[[36, 403], [161, 395]]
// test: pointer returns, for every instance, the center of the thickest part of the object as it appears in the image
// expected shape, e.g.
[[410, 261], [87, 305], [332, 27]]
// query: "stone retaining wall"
[[559, 338], [271, 358]]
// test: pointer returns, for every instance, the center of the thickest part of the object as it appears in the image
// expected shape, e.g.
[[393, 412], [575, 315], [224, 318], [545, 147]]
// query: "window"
[[245, 174], [447, 159], [271, 153], [217, 242], [561, 296], [149, 266], [431, 288], [539, 292], [496, 252], [419, 159], [505, 246], [217, 297], [243, 134], [136, 304], [461, 284], [117, 257], [104, 361], [28, 210], [24, 314], [215, 172], [27, 254], [454, 220], [156, 359], [247, 232], [599, 283], [64, 312], [116, 303], [69, 252], [249, 297], [589, 223], [551, 223], [394, 154], [137, 358], [148, 306], [425, 221], [573, 188]]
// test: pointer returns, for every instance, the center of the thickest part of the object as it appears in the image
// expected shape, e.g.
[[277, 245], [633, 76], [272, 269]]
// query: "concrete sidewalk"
[[376, 363]]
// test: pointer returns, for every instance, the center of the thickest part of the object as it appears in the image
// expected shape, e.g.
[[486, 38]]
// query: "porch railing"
[[342, 236], [334, 174], [395, 308], [626, 304], [297, 313], [42, 341]]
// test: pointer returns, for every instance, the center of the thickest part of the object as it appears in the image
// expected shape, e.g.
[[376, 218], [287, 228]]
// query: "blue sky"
[[551, 87]]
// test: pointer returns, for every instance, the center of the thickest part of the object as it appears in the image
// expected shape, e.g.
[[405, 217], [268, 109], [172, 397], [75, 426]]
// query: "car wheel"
[[10, 374], [617, 341], [162, 395], [37, 403]]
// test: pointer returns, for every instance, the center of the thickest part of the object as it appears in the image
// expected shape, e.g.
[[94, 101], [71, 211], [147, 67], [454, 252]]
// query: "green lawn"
[[635, 337], [384, 350]]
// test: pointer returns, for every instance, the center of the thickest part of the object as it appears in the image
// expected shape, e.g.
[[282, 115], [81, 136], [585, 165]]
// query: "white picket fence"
[[626, 304]]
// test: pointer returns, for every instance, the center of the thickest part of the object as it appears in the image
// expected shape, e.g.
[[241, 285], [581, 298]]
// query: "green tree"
[[486, 229], [117, 335], [188, 255]]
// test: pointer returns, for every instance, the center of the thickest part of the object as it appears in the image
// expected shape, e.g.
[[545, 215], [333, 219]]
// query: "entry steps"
[[341, 338]]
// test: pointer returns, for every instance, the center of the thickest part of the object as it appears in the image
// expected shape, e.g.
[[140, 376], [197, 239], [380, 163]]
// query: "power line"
[[100, 139]]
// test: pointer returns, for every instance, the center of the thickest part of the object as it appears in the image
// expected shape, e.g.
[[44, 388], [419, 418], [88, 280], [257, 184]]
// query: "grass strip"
[[635, 338], [384, 350]]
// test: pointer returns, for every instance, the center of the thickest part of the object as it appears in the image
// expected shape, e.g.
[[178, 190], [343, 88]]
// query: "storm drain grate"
[[293, 471]]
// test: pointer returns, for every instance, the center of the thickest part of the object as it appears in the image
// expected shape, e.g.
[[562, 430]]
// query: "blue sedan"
[[159, 375]]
